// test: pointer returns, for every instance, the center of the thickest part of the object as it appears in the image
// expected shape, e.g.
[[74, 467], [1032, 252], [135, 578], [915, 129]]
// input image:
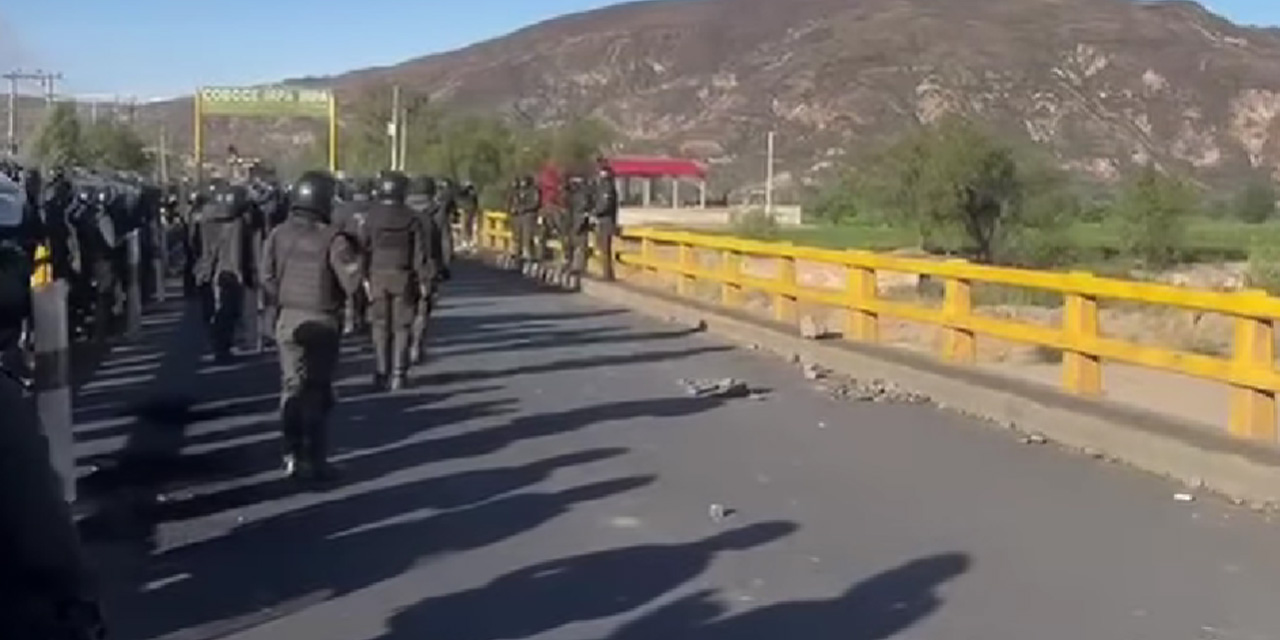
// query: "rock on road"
[[548, 477]]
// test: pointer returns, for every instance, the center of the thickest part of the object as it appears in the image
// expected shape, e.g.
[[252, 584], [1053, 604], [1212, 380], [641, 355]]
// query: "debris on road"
[[876, 390], [1183, 497], [722, 388], [812, 329], [814, 372], [719, 512], [1034, 438]]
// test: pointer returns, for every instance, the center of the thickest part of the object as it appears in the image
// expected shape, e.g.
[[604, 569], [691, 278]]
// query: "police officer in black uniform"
[[226, 264], [604, 209], [308, 266], [396, 254], [577, 224], [424, 203], [469, 210], [527, 203], [446, 213], [349, 214], [45, 585]]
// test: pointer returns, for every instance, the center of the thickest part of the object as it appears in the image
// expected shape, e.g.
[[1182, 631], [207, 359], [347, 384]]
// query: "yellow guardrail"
[[1250, 370], [43, 272]]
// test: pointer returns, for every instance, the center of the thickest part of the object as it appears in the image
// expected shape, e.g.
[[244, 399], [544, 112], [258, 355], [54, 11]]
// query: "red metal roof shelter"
[[656, 167]]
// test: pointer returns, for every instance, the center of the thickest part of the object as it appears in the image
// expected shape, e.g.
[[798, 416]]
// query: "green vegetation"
[[955, 188], [487, 149], [65, 141]]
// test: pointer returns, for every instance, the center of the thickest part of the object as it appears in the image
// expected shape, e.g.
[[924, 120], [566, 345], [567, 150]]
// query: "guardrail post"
[[960, 346], [1081, 372], [646, 254], [52, 337], [507, 240], [861, 324], [685, 283], [731, 270], [1253, 411], [784, 302], [133, 295]]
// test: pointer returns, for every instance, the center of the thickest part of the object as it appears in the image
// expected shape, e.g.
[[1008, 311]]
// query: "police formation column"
[[79, 237]]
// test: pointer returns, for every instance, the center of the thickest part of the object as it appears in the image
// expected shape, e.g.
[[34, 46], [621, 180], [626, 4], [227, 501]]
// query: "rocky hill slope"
[[1104, 84]]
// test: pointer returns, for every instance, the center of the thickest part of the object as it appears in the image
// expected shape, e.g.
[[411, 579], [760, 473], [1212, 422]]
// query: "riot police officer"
[[604, 210], [426, 202], [45, 584], [576, 224], [349, 215], [308, 266], [527, 203], [396, 254], [226, 264], [469, 210], [446, 213], [58, 199]]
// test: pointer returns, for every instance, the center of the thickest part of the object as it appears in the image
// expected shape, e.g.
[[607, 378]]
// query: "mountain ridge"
[[1103, 85]]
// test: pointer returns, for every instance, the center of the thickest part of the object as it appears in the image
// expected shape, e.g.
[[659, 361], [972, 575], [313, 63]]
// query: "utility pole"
[[394, 127], [164, 156], [768, 173], [47, 87]]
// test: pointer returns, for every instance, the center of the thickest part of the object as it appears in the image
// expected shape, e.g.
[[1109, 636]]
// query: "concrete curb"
[[1189, 454]]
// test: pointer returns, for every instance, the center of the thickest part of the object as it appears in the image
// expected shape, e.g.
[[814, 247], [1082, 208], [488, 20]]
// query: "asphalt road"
[[548, 477]]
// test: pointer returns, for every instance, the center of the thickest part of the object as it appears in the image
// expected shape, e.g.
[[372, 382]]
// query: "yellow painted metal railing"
[[1250, 370]]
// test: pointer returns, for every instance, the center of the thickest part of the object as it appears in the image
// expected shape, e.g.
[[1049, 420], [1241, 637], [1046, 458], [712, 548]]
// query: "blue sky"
[[160, 48]]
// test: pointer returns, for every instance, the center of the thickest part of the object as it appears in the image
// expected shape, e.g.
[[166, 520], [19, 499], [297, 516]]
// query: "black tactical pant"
[[228, 305], [606, 229], [104, 299], [524, 233], [470, 220], [357, 313], [308, 344], [421, 321], [392, 315]]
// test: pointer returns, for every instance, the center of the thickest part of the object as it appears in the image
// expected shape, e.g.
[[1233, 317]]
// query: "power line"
[[48, 86]]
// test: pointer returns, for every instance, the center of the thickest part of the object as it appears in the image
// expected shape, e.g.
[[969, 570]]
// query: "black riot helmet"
[[314, 193], [526, 181], [604, 172], [393, 187], [447, 186], [425, 185], [234, 197]]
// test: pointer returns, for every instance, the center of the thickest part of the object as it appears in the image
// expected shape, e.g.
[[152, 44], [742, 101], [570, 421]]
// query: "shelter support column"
[[675, 192], [702, 194]]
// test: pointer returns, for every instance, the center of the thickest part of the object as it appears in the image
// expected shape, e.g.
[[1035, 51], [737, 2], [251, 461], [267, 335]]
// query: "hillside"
[[1104, 83]]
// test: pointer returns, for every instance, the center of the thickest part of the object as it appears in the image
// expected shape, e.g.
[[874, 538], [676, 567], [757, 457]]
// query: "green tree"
[[957, 184], [114, 145], [61, 140], [1152, 210], [1256, 203]]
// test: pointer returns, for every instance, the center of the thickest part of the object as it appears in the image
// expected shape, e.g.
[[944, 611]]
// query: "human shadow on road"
[[571, 364], [269, 570], [593, 586], [521, 341], [375, 449], [875, 609], [489, 440]]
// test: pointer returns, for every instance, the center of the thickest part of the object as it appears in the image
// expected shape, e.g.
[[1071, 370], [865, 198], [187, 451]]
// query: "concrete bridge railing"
[[1249, 369]]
